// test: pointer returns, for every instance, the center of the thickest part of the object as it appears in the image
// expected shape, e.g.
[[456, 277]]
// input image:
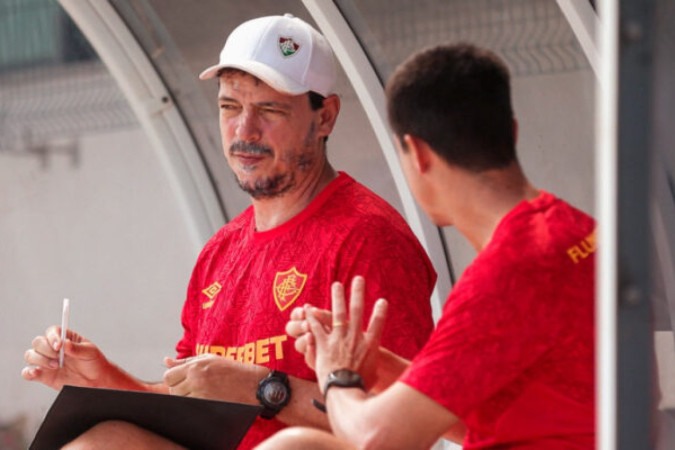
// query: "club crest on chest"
[[287, 287]]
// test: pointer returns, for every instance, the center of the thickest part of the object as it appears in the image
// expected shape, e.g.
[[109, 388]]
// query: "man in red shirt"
[[511, 362], [308, 226]]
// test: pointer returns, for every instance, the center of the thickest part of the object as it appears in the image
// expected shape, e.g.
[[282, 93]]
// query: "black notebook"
[[191, 422]]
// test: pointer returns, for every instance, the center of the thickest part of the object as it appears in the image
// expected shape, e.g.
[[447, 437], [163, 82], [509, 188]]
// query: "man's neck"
[[271, 212], [490, 197]]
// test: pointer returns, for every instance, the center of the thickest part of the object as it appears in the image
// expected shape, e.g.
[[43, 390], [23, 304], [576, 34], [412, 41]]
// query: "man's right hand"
[[84, 364]]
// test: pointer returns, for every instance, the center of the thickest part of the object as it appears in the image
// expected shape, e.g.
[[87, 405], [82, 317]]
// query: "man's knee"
[[115, 434], [298, 437]]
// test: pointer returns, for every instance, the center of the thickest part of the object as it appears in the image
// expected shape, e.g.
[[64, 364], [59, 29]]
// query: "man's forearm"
[[117, 378], [389, 368], [300, 410]]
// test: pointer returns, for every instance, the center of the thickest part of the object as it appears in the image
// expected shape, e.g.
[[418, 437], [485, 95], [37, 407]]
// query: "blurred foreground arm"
[[398, 417]]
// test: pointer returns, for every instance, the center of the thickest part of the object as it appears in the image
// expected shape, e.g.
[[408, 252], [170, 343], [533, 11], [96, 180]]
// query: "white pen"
[[64, 327]]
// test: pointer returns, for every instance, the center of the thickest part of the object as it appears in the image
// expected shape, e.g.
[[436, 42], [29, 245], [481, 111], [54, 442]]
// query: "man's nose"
[[248, 127]]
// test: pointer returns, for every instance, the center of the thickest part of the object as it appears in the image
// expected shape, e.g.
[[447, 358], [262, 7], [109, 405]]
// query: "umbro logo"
[[211, 292]]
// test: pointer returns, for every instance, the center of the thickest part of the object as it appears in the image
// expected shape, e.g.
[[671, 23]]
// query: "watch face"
[[343, 378], [274, 393]]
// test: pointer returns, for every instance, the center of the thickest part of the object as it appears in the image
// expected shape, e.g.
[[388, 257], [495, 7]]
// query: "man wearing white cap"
[[308, 226]]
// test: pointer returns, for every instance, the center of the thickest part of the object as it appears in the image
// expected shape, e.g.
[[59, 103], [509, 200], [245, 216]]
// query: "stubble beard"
[[269, 187], [277, 185]]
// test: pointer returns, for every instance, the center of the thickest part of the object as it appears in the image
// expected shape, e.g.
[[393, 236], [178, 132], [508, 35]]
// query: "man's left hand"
[[214, 377]]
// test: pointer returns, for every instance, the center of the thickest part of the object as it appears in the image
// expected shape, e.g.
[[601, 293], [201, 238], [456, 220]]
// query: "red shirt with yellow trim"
[[513, 353], [245, 283]]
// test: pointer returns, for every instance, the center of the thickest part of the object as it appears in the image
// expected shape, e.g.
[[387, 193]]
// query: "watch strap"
[[345, 378], [341, 378]]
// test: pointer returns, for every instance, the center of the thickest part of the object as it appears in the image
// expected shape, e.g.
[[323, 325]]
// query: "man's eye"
[[272, 111], [228, 106]]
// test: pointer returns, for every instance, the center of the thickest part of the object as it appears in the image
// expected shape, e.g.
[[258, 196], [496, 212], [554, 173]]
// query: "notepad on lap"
[[191, 422]]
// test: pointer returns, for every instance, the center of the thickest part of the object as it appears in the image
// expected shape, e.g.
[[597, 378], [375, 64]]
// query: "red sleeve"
[[190, 313], [496, 324]]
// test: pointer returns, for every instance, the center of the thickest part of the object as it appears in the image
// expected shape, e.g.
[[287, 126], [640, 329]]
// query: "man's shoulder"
[[538, 242], [542, 222], [358, 202], [362, 219], [234, 229]]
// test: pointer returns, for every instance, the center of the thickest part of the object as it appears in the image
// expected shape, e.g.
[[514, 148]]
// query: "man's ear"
[[419, 152], [328, 114]]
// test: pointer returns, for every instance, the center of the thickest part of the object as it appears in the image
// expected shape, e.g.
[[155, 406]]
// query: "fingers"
[[296, 328], [338, 305], [53, 337], [52, 341], [297, 325], [42, 346], [298, 313], [301, 343], [315, 326], [174, 375], [377, 320], [356, 304], [42, 361], [195, 376], [340, 319], [171, 362], [324, 316], [180, 388], [177, 371], [42, 354], [36, 359], [31, 373], [310, 352]]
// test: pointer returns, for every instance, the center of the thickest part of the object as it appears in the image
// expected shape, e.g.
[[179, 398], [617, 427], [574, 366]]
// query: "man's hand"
[[298, 328], [297, 325], [344, 345], [214, 377], [84, 364]]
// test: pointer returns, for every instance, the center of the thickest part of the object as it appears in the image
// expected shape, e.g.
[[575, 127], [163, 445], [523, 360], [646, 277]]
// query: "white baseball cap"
[[285, 52]]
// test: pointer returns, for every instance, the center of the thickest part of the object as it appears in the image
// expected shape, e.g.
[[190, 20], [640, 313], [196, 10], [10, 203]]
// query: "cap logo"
[[288, 46]]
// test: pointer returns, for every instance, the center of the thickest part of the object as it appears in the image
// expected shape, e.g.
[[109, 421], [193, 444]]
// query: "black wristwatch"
[[274, 392], [343, 378]]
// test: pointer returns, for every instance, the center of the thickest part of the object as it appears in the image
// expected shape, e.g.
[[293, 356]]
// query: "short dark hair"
[[315, 100], [457, 98]]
